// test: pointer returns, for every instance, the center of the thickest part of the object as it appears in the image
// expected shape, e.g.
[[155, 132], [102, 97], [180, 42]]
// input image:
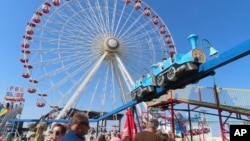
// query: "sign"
[[239, 132], [14, 94]]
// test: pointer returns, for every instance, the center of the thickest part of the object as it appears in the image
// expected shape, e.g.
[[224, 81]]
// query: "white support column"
[[124, 70], [81, 88], [121, 83]]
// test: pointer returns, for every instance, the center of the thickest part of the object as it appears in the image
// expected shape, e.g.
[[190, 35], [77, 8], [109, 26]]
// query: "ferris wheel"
[[87, 54]]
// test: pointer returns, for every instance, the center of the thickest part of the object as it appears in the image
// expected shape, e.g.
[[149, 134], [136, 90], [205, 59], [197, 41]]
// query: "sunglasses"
[[56, 133]]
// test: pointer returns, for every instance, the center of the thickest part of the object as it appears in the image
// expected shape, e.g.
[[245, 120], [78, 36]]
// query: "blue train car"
[[142, 87], [170, 71]]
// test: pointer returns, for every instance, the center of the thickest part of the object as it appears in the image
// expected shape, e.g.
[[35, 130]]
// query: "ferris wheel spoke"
[[113, 17], [130, 27], [119, 21], [107, 13], [141, 35], [64, 68], [102, 19], [65, 58], [95, 17], [125, 23], [139, 29], [80, 22]]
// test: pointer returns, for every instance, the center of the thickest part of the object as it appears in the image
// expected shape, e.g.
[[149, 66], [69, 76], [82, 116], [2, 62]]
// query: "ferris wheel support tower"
[[81, 88]]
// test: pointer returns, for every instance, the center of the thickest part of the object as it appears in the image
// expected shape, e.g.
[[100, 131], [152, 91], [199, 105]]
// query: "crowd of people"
[[79, 127]]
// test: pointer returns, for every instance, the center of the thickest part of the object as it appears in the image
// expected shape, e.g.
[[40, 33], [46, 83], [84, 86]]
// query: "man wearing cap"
[[149, 134], [78, 128]]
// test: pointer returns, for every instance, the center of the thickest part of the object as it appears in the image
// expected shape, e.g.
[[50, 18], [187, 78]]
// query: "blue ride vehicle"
[[142, 87], [170, 71]]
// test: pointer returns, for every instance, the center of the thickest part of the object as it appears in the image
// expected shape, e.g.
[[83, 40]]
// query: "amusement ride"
[[88, 53], [101, 55]]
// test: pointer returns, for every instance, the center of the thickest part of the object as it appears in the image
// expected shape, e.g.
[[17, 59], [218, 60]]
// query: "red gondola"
[[40, 102], [155, 19], [24, 60], [171, 50], [43, 95], [26, 51], [33, 81], [28, 66], [31, 90], [26, 41], [56, 2], [168, 39], [147, 11], [37, 17], [27, 37], [162, 29], [30, 28], [25, 75], [46, 7], [127, 1], [137, 4]]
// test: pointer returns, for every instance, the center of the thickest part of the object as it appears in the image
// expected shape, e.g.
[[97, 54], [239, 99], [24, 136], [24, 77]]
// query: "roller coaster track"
[[224, 100], [227, 108]]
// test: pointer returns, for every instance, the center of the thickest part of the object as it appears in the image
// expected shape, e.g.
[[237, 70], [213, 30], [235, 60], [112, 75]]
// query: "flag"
[[129, 125]]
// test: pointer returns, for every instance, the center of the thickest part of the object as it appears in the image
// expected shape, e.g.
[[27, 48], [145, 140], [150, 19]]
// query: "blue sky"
[[224, 23]]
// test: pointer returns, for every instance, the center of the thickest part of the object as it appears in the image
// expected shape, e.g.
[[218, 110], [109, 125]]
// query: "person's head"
[[80, 123], [58, 130], [108, 137], [127, 138], [164, 137], [100, 137], [152, 125], [158, 132], [170, 134]]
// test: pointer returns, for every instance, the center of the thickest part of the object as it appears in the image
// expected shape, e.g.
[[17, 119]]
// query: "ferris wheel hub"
[[111, 44]]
